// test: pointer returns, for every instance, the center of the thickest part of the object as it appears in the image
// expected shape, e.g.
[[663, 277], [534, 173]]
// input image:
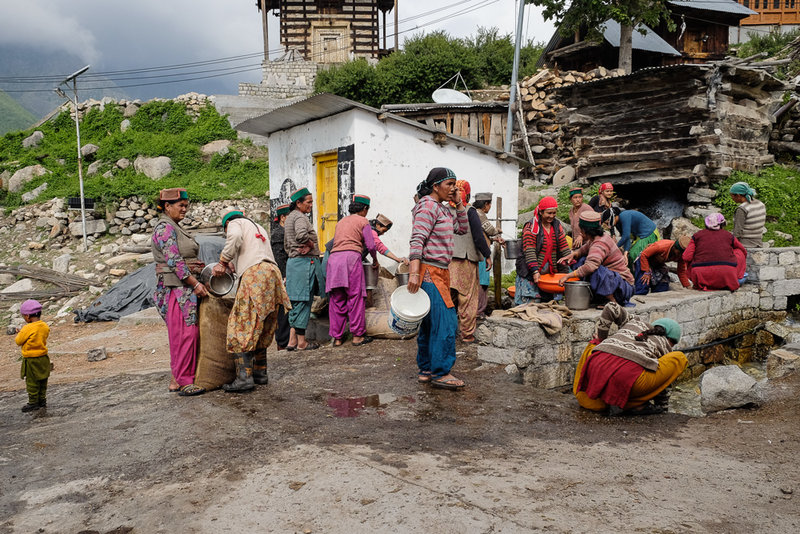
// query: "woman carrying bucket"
[[431, 249]]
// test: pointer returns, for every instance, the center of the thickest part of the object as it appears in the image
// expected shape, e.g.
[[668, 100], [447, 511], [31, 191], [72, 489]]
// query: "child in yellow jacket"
[[32, 339]]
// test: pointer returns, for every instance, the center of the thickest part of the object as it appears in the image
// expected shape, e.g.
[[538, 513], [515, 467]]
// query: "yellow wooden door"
[[327, 198]]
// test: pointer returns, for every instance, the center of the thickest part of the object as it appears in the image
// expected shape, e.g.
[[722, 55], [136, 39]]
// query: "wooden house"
[[331, 31], [701, 34]]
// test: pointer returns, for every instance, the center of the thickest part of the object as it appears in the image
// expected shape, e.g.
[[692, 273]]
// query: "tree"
[[574, 15]]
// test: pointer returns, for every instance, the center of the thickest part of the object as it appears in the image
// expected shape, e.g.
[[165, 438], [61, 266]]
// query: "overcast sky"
[[113, 35]]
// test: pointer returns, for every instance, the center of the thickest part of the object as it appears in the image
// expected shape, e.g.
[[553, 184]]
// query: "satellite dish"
[[450, 96]]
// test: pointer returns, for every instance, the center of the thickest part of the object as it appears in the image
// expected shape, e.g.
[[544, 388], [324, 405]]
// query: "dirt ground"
[[115, 452]]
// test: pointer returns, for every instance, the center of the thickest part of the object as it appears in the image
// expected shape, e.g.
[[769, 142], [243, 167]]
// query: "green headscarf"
[[742, 188], [671, 326]]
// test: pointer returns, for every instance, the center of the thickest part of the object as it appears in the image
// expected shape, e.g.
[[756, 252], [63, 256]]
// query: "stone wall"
[[549, 361], [283, 79]]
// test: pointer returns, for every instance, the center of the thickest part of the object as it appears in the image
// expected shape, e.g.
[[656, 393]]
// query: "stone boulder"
[[123, 163], [728, 387], [153, 168], [89, 150], [220, 146], [61, 263], [681, 226], [33, 194], [783, 361], [96, 355], [124, 125], [93, 226], [5, 176], [33, 140], [26, 284], [94, 168], [25, 175]]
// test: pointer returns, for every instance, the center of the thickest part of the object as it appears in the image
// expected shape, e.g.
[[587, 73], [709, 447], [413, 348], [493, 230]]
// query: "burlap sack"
[[214, 365]]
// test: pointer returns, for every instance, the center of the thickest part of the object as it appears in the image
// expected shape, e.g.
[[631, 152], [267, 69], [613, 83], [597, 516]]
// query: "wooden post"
[[497, 260], [266, 33]]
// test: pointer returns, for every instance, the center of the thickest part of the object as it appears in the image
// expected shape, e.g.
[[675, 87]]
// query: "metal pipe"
[[515, 71], [80, 164]]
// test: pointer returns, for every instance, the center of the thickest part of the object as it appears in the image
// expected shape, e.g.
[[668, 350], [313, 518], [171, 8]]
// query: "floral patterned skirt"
[[252, 322]]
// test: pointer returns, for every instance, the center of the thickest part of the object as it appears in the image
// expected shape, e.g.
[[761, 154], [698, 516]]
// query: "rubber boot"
[[244, 373], [260, 369]]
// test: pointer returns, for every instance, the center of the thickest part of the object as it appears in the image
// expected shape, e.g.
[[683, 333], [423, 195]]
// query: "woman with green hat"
[[749, 217], [254, 316], [631, 370], [305, 277]]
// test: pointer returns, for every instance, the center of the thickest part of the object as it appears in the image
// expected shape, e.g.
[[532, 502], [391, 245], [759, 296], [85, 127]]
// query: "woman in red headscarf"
[[544, 242], [468, 251]]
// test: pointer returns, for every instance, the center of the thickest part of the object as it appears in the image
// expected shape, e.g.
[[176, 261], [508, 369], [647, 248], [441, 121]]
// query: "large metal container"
[[513, 249], [370, 275], [220, 285], [577, 295]]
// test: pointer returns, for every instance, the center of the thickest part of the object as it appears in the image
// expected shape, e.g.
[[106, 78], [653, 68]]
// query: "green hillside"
[[159, 128], [12, 115]]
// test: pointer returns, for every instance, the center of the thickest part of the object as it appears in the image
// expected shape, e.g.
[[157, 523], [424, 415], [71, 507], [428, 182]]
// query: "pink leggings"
[[182, 343]]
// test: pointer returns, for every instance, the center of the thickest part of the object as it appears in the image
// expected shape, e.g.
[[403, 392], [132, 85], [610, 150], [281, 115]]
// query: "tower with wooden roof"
[[331, 31]]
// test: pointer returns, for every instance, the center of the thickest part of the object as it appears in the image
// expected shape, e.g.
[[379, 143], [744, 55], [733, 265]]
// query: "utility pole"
[[515, 71], [266, 31], [74, 79]]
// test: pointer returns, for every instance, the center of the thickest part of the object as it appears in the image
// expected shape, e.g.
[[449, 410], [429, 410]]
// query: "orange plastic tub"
[[549, 282]]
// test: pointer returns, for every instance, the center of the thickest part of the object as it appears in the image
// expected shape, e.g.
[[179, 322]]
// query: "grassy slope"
[[158, 129], [12, 115]]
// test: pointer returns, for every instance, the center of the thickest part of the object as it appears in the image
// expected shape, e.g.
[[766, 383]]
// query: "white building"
[[335, 147]]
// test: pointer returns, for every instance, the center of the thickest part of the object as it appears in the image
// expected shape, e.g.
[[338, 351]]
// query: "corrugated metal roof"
[[433, 105], [650, 41], [312, 108], [326, 105], [721, 6]]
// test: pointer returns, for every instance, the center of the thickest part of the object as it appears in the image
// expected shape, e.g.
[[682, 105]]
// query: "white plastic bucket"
[[408, 310]]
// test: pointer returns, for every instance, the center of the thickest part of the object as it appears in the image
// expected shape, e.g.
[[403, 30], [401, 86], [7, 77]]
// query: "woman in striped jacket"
[[544, 242], [431, 250]]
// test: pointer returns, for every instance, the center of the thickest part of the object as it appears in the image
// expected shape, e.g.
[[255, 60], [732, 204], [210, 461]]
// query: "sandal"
[[290, 349], [171, 390], [364, 341], [468, 340], [310, 346], [451, 383], [424, 377], [190, 390]]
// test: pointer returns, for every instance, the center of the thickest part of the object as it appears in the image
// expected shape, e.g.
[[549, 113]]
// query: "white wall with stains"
[[390, 159]]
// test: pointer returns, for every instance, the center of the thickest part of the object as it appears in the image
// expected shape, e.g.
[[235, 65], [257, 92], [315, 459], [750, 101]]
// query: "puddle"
[[354, 406]]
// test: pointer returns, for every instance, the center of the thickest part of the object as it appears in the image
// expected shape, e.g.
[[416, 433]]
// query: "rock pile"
[[195, 102]]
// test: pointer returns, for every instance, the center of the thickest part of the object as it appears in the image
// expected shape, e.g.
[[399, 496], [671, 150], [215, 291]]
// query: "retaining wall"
[[705, 316], [283, 79]]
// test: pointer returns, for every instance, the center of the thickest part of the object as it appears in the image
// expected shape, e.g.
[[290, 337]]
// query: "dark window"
[[746, 3], [776, 4]]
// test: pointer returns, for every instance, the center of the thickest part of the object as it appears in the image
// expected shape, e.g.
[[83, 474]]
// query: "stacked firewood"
[[547, 130]]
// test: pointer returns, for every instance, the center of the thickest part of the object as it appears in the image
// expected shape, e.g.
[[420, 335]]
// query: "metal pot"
[[219, 285], [370, 275], [577, 295], [513, 249], [402, 279]]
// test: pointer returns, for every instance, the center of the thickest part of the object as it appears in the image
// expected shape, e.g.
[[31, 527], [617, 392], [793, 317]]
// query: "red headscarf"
[[465, 191], [606, 185], [544, 204]]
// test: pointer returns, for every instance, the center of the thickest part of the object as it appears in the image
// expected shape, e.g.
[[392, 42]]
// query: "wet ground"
[[345, 440]]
